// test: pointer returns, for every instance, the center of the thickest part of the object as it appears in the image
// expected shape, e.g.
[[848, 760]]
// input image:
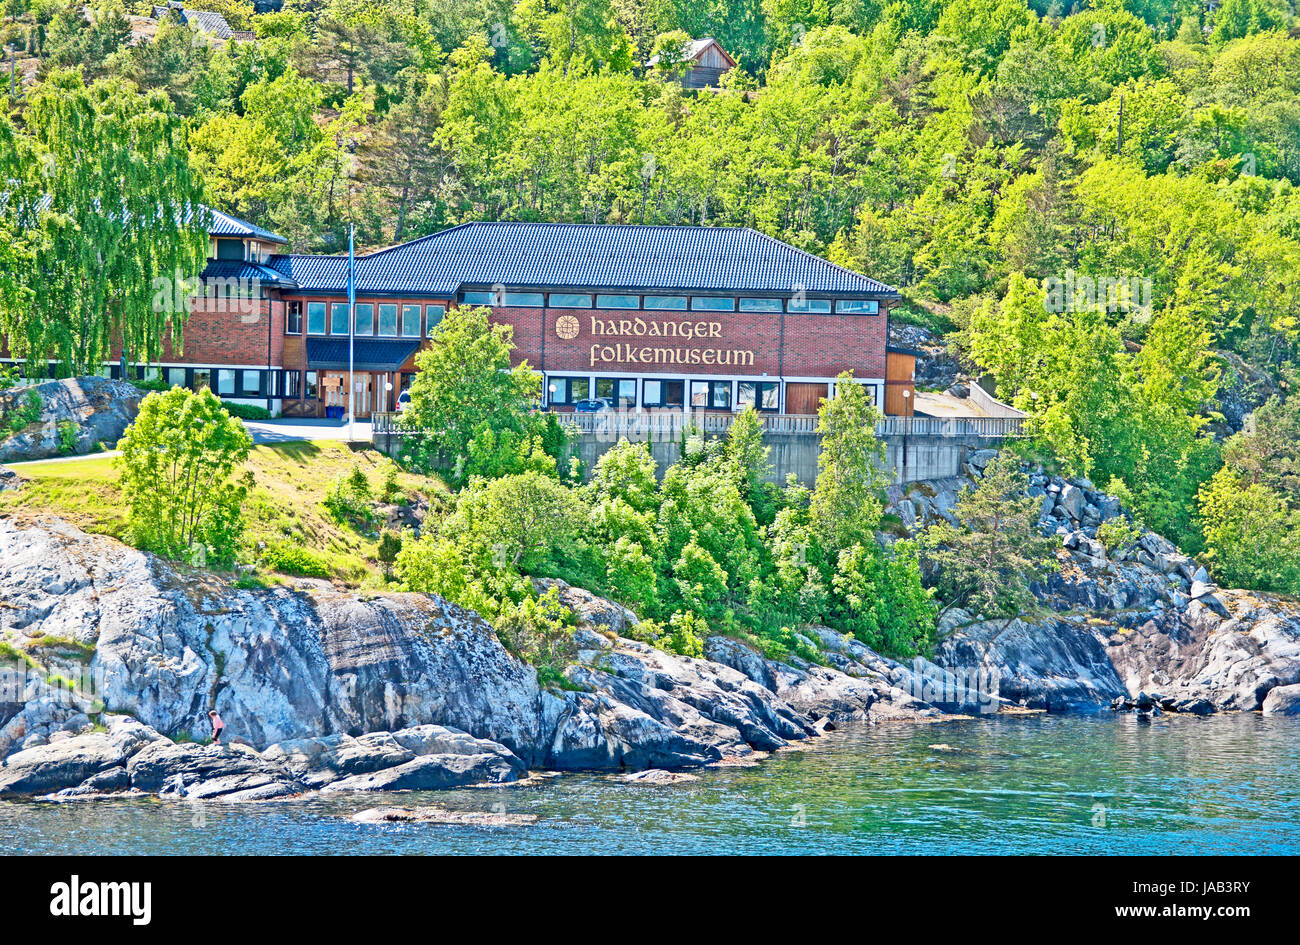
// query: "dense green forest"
[[1096, 204]]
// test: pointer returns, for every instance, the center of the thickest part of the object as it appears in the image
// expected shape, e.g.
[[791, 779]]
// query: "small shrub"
[[68, 431], [538, 631], [152, 384], [390, 490], [389, 545], [295, 559], [9, 376], [246, 411], [1118, 533], [62, 646], [181, 477], [685, 636], [22, 416], [349, 497], [12, 655]]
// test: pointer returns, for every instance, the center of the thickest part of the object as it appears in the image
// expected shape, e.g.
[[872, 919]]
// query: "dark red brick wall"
[[813, 345], [230, 331]]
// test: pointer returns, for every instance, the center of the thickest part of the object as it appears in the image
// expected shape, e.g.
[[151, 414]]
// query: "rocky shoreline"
[[331, 691]]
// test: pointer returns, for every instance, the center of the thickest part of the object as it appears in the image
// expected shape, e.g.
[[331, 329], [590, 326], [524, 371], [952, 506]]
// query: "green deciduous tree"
[[466, 381], [108, 229], [180, 462], [1252, 537]]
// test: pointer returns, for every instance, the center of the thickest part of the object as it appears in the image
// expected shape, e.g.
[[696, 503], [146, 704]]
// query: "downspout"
[[780, 359], [270, 307], [546, 394]]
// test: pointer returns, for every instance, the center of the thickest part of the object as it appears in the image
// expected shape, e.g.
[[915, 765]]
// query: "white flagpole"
[[352, 324]]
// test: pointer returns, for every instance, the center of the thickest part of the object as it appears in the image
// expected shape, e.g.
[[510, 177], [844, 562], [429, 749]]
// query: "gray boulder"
[[207, 772], [317, 762], [1282, 700], [1054, 664], [58, 765], [1072, 501], [100, 409], [432, 773]]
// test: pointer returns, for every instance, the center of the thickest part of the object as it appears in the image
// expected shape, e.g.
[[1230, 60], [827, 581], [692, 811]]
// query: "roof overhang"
[[368, 354]]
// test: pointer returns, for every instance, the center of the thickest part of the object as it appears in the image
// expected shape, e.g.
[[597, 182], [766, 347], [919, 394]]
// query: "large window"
[[434, 313], [339, 319], [711, 395], [618, 301], [176, 376], [310, 388], [293, 318], [763, 395], [230, 249], [663, 393], [620, 391], [293, 385], [519, 299], [568, 390], [410, 321], [857, 307], [810, 306], [365, 319], [388, 319], [250, 383], [667, 303], [760, 305], [315, 318], [705, 303], [225, 383], [569, 300]]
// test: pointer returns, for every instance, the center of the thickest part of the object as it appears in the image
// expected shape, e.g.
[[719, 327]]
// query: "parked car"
[[595, 405], [403, 400]]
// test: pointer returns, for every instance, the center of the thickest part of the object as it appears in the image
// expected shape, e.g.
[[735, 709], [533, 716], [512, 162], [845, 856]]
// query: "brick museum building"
[[644, 317]]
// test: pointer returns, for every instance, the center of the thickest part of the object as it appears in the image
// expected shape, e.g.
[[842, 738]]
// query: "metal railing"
[[669, 424]]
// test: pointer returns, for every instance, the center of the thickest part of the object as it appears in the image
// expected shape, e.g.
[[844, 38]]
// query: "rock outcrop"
[[130, 757], [336, 691], [99, 411], [359, 692], [1116, 623]]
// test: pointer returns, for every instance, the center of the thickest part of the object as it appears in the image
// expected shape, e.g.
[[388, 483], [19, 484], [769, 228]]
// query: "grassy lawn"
[[291, 482]]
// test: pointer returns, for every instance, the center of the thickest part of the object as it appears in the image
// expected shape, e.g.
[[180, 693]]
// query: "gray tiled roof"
[[587, 256], [369, 354], [321, 273], [205, 20], [239, 269], [223, 224]]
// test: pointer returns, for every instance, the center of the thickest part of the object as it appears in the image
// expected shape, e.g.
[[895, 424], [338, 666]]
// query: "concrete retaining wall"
[[912, 457]]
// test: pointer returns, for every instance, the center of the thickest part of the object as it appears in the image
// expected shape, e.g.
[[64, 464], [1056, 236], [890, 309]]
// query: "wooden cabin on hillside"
[[706, 63]]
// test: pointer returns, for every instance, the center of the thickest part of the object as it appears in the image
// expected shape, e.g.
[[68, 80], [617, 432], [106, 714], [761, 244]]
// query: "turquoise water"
[[1029, 784]]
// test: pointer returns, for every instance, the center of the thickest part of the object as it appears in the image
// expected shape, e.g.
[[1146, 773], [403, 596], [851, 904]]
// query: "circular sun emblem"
[[566, 326]]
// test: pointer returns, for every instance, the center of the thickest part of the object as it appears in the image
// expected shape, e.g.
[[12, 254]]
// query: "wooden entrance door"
[[335, 386], [804, 398]]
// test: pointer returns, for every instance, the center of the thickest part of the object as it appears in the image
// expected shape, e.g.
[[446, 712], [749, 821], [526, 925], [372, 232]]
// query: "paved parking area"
[[283, 431]]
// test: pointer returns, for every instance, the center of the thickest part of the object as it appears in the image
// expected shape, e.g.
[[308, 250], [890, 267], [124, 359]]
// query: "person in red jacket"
[[218, 727]]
